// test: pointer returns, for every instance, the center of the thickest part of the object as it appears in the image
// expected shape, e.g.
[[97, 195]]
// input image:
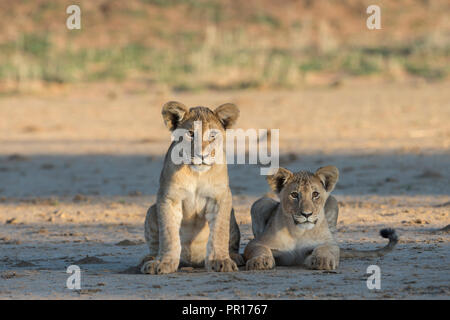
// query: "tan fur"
[[193, 221], [297, 230]]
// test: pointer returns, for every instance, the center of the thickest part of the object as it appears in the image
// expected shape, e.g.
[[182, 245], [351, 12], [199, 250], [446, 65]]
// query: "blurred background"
[[221, 44]]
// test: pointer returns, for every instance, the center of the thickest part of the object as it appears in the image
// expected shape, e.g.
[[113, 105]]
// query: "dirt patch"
[[127, 242], [87, 291], [131, 270], [23, 264], [430, 174], [17, 157], [90, 260], [9, 275]]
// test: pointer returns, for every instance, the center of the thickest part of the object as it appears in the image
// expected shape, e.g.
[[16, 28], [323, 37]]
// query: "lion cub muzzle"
[[305, 220]]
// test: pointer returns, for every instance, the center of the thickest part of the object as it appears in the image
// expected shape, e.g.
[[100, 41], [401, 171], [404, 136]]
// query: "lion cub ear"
[[329, 176], [278, 180], [173, 112], [227, 114]]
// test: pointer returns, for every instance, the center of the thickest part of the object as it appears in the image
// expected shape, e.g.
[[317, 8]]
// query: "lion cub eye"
[[212, 136], [315, 195], [294, 195], [190, 134]]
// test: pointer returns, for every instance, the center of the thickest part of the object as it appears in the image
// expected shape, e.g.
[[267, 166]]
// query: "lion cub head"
[[202, 125], [303, 194]]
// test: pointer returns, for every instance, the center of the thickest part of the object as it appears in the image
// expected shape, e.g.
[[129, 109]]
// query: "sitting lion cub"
[[193, 222], [296, 230]]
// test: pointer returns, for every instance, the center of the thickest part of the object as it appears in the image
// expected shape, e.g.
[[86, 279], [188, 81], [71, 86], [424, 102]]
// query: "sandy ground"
[[79, 168]]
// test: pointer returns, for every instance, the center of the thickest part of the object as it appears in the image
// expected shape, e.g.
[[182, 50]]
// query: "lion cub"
[[298, 229], [192, 222]]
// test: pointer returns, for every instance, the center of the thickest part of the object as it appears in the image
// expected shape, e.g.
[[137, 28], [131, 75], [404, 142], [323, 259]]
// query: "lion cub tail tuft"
[[387, 233]]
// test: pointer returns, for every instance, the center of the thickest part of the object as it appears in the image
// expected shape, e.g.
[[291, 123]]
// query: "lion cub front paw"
[[261, 263], [322, 261], [238, 258], [160, 267], [221, 265]]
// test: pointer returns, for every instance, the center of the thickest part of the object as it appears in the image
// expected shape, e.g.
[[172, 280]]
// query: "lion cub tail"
[[385, 233]]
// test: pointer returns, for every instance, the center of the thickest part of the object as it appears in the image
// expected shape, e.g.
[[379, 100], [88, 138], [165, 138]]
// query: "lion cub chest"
[[295, 254], [293, 249], [198, 202]]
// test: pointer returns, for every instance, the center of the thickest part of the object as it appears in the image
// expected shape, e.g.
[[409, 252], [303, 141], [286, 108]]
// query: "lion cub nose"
[[306, 214]]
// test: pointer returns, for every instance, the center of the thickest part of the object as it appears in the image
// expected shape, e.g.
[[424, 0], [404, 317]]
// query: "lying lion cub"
[[296, 231], [193, 222]]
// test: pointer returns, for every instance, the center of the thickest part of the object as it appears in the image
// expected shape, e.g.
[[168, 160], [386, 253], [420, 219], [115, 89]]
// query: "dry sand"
[[80, 167]]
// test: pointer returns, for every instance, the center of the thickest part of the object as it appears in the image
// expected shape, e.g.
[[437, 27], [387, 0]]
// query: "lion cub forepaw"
[[261, 263], [238, 258], [160, 267], [221, 265], [322, 261]]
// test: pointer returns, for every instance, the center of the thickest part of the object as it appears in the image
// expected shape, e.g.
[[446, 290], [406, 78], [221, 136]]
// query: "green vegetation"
[[266, 19], [200, 48], [357, 64], [34, 57], [426, 71]]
